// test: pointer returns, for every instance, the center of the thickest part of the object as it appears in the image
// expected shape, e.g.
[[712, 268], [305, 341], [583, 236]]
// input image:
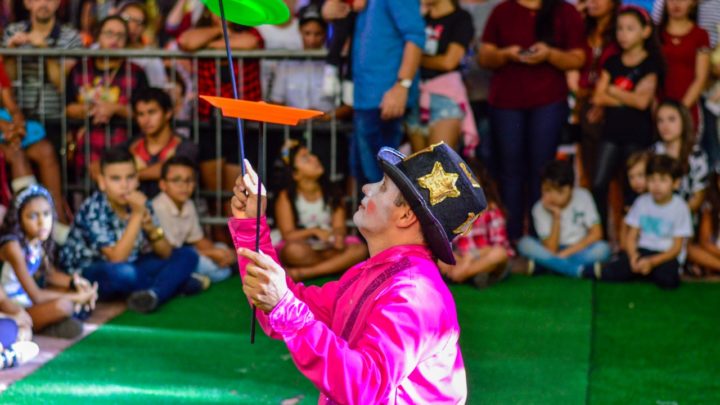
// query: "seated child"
[[677, 140], [704, 254], [311, 220], [28, 273], [636, 166], [567, 224], [116, 242], [175, 209], [660, 224], [483, 253]]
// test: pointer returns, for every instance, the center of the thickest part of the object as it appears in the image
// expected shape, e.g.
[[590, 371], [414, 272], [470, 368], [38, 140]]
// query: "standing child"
[[686, 48], [677, 140], [115, 240], [567, 224], [705, 253], [311, 220], [179, 219], [26, 249], [625, 91], [660, 224], [483, 253]]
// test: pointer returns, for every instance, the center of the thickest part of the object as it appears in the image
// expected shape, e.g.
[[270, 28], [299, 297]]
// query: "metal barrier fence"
[[328, 138]]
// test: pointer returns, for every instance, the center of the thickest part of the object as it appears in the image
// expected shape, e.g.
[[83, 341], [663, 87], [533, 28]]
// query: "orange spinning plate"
[[260, 111]]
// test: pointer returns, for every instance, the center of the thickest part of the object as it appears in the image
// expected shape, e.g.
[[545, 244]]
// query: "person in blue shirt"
[[386, 50]]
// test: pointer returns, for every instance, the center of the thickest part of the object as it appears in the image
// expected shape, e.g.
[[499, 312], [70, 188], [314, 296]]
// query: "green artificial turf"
[[544, 340], [656, 347]]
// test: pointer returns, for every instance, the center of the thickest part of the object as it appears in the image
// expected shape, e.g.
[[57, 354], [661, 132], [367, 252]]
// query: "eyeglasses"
[[113, 35], [178, 180]]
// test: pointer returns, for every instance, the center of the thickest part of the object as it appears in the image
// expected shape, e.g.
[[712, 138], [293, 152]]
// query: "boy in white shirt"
[[179, 219], [567, 224], [659, 225]]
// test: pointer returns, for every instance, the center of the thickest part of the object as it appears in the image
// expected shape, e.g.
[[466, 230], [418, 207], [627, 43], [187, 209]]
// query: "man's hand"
[[264, 284], [244, 203], [512, 53], [103, 111], [394, 102], [137, 201], [335, 10], [539, 53], [37, 39], [19, 39]]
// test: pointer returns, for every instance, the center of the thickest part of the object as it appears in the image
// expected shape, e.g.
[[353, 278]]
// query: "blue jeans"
[[371, 134], [163, 276], [525, 141], [208, 268], [571, 266]]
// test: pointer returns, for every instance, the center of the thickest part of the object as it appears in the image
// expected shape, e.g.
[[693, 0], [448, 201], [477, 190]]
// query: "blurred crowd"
[[592, 126]]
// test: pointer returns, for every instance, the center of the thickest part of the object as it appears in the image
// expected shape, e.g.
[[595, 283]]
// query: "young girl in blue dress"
[[55, 301]]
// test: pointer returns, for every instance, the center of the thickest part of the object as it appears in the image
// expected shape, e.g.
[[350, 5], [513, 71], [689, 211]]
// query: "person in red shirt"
[[529, 44], [686, 48]]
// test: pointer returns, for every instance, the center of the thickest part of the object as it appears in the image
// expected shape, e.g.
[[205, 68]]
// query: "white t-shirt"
[[660, 224], [576, 218]]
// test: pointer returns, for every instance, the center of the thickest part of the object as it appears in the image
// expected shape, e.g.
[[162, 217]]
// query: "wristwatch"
[[156, 234], [406, 83]]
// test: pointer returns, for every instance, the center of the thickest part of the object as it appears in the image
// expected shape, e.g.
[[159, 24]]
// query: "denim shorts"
[[419, 120]]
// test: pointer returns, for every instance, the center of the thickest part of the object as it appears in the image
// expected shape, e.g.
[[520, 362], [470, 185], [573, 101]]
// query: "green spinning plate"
[[251, 12]]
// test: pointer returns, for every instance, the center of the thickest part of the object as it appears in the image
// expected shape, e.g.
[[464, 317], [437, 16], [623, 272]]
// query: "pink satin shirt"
[[385, 333]]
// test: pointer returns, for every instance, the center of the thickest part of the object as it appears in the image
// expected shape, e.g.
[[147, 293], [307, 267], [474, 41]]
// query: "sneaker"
[[18, 354], [68, 328], [144, 301], [196, 284], [521, 265]]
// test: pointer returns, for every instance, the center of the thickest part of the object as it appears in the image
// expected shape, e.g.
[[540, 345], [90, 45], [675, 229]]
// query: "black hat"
[[440, 189]]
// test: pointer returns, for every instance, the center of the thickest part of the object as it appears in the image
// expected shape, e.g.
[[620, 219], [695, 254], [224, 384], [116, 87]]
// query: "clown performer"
[[387, 331]]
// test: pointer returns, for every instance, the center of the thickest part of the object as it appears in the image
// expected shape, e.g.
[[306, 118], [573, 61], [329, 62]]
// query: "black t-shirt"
[[455, 27], [627, 125]]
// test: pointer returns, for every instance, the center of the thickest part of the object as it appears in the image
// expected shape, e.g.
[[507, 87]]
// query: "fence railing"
[[326, 138]]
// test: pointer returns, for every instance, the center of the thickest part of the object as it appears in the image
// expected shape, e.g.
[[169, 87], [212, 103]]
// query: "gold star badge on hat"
[[440, 184]]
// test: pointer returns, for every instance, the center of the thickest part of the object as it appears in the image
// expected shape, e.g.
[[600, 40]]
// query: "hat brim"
[[432, 229]]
